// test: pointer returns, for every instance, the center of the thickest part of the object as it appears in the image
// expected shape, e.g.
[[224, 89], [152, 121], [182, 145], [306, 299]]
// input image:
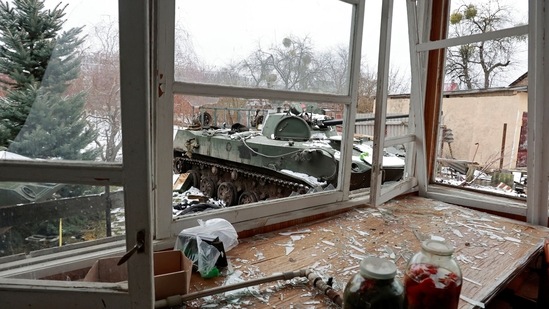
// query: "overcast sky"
[[222, 30], [234, 29]]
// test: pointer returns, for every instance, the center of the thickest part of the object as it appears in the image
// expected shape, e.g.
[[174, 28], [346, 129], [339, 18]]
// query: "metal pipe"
[[326, 288], [108, 208], [334, 122], [503, 146], [316, 281], [476, 144]]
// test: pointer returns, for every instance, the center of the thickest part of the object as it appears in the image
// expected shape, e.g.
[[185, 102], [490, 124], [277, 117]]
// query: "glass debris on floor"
[[334, 250]]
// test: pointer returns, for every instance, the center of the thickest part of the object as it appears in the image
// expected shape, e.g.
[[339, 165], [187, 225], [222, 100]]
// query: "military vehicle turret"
[[285, 154]]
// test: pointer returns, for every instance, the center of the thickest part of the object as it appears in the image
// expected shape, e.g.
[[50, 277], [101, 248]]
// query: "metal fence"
[[228, 115], [393, 127]]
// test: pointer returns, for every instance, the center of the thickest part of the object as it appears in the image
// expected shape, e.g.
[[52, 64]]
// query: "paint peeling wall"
[[479, 117]]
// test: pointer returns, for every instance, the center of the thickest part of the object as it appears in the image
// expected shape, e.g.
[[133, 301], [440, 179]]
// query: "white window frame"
[[536, 207], [134, 175], [380, 193], [263, 213], [145, 182]]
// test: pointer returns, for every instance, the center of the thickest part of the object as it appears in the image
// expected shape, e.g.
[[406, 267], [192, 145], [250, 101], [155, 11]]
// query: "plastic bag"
[[206, 244]]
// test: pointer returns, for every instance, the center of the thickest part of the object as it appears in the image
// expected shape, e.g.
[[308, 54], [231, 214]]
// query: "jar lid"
[[377, 268], [437, 247]]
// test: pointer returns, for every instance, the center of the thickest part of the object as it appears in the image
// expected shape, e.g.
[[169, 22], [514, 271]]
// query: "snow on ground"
[[481, 183], [313, 181], [6, 155]]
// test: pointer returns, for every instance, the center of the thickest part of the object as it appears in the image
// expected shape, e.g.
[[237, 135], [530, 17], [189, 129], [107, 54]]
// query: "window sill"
[[54, 261], [478, 200]]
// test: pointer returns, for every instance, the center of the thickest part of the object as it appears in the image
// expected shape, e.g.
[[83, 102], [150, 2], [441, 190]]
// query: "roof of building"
[[521, 81]]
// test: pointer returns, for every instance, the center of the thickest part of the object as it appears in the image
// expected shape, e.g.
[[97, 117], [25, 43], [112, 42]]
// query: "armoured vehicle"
[[285, 154], [12, 193]]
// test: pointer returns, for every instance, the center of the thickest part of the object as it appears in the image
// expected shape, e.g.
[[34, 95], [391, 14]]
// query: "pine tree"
[[38, 117]]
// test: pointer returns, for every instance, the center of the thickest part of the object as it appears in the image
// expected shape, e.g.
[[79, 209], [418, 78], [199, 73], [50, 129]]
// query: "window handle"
[[139, 247]]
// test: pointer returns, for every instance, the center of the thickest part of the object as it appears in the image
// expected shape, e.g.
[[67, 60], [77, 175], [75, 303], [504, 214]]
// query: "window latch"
[[139, 247]]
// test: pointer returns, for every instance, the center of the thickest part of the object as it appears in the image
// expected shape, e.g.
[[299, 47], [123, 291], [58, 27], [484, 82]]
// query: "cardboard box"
[[106, 270], [172, 273]]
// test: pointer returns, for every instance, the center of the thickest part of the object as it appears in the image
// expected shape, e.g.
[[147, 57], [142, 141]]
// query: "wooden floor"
[[490, 251]]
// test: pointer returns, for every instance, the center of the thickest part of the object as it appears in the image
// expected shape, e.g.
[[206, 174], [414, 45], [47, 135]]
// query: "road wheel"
[[207, 186], [247, 197], [227, 193]]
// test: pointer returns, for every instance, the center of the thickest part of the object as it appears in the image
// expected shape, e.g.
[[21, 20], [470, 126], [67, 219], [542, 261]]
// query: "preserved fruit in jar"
[[374, 286], [433, 278]]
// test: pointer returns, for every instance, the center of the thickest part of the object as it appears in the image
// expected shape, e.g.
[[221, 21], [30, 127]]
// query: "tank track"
[[249, 186]]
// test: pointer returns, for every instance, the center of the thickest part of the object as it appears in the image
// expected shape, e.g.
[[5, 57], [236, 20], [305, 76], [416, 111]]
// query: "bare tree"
[[295, 63], [101, 79], [230, 114], [334, 73], [291, 65], [184, 53], [398, 83], [478, 65], [258, 68], [366, 90], [182, 110], [367, 87]]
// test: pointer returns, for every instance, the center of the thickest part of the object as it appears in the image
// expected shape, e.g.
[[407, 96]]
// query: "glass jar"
[[374, 286], [433, 278]]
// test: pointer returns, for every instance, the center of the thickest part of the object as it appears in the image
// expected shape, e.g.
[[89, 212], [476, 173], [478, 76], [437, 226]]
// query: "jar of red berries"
[[433, 277]]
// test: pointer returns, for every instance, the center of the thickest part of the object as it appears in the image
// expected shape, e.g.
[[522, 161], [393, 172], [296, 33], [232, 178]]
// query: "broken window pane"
[[43, 218], [239, 151]]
